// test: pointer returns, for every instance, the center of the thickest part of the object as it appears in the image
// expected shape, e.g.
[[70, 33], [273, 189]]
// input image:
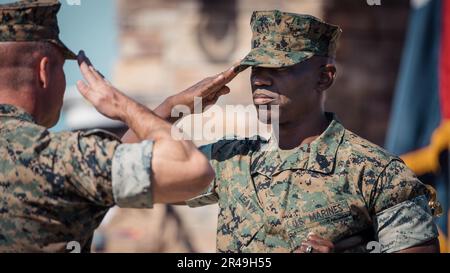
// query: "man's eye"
[[255, 69]]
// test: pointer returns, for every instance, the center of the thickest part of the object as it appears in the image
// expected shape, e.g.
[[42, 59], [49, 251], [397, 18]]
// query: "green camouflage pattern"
[[54, 187], [283, 39], [338, 186], [32, 20]]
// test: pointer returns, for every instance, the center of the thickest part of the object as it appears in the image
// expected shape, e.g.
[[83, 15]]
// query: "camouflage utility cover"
[[283, 39], [32, 21], [338, 186]]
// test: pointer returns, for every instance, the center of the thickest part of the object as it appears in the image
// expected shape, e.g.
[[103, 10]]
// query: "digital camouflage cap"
[[283, 39], [32, 20]]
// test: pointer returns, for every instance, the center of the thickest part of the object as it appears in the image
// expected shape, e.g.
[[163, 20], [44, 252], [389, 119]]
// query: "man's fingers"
[[224, 90], [85, 69], [99, 76], [223, 78], [218, 81], [316, 247], [319, 240], [316, 244], [211, 86], [87, 73], [83, 88], [304, 248], [215, 96], [230, 73], [83, 58], [301, 249]]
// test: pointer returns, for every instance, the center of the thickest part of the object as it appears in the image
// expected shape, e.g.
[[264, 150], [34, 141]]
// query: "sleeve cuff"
[[405, 225], [203, 200], [131, 171]]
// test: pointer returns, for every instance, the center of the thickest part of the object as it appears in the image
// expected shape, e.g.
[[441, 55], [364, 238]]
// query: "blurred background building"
[[152, 49]]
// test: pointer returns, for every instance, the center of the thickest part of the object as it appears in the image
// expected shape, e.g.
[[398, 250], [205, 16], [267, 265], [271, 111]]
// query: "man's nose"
[[261, 80]]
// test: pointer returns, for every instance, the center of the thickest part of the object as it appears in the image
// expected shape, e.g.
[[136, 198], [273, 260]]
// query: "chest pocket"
[[241, 216], [251, 220], [238, 224]]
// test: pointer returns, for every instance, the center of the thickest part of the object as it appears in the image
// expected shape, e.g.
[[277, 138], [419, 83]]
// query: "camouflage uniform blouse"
[[338, 186], [56, 187]]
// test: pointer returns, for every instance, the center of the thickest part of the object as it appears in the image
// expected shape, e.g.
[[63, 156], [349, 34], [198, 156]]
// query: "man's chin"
[[268, 116]]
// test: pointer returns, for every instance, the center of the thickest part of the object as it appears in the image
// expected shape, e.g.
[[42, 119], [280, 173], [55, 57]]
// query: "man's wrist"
[[166, 107], [132, 111], [164, 110], [125, 110]]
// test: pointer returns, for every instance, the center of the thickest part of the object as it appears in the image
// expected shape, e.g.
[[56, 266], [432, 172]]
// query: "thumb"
[[224, 91]]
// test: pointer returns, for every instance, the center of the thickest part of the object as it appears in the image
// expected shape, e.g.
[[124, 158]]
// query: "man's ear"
[[44, 72], [327, 76]]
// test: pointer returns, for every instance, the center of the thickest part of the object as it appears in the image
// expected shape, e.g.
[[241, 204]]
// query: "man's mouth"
[[262, 99]]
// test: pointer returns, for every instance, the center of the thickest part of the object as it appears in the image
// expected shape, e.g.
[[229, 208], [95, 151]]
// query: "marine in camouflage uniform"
[[56, 187], [339, 185]]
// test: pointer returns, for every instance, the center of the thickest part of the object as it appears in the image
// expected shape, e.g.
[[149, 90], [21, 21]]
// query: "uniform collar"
[[7, 110], [318, 156], [322, 156]]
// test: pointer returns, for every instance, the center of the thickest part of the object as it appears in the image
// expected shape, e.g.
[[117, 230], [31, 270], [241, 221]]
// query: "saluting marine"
[[318, 176]]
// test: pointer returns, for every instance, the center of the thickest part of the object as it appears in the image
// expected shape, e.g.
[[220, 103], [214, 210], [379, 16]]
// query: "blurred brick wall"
[[166, 45], [368, 59]]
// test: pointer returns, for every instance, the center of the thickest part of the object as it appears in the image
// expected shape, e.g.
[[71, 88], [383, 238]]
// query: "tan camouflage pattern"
[[32, 20], [337, 187], [283, 39], [54, 187]]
